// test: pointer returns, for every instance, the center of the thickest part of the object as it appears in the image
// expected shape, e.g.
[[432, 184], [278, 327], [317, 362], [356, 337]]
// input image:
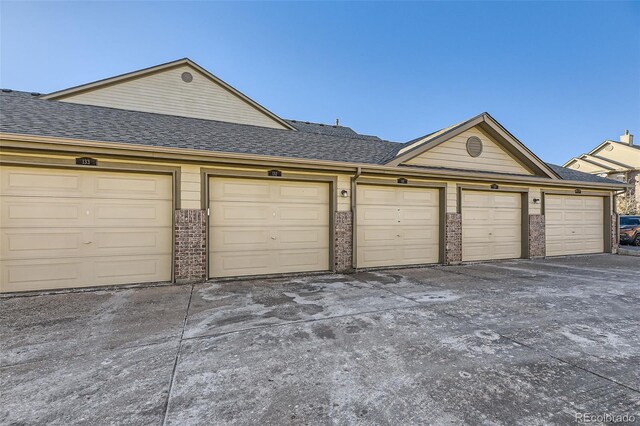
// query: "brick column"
[[190, 245], [343, 248], [537, 244], [615, 235], [453, 238]]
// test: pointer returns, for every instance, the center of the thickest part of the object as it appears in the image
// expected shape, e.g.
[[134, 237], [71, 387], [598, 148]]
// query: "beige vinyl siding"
[[397, 226], [164, 92], [586, 167], [453, 154], [620, 154], [190, 187], [74, 228], [574, 224], [262, 226]]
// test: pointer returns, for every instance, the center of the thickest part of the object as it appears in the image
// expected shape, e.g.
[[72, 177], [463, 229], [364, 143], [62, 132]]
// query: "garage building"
[[170, 174]]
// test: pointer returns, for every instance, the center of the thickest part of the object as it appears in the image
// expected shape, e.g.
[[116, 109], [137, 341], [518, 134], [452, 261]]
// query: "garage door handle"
[[87, 242], [273, 238]]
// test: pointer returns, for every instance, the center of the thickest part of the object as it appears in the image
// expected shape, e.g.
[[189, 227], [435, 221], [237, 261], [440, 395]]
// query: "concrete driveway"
[[517, 342]]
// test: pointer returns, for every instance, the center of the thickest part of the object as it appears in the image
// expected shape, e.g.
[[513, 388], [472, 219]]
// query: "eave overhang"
[[53, 145]]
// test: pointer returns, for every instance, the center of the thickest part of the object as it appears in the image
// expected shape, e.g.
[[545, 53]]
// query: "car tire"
[[636, 240]]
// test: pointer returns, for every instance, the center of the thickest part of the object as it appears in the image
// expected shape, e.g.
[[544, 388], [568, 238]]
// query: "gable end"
[[180, 88]]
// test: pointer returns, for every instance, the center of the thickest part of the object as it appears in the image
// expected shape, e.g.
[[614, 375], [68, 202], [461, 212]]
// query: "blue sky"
[[561, 76]]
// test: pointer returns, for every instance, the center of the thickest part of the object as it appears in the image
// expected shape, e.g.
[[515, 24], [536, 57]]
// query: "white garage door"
[[259, 226], [397, 226], [574, 224], [491, 225], [75, 228]]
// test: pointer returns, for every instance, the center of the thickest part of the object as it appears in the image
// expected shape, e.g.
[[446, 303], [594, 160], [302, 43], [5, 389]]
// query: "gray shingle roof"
[[328, 129], [25, 113], [570, 174]]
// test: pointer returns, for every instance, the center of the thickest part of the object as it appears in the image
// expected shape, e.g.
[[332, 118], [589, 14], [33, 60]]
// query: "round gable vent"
[[474, 146], [187, 77], [609, 147]]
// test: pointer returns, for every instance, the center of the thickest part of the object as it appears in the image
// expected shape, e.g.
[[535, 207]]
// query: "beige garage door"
[[397, 226], [259, 226], [71, 228], [574, 224], [491, 225]]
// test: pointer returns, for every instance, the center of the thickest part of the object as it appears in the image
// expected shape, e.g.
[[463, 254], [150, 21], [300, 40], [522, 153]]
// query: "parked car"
[[630, 230]]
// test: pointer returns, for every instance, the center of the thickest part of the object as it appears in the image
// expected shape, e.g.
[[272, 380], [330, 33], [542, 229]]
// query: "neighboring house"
[[615, 160], [170, 174]]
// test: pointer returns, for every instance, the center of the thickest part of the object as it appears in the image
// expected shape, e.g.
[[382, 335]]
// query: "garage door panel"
[[38, 274], [511, 216], [227, 239], [378, 195], [78, 212], [374, 236], [378, 256], [42, 213], [507, 232], [418, 216], [491, 225], [574, 224], [28, 243], [236, 214], [477, 215], [121, 270], [136, 186], [302, 193], [267, 227], [372, 215], [397, 226], [106, 242], [249, 190], [295, 260], [420, 234], [135, 213], [419, 254], [295, 215], [230, 264], [40, 182], [506, 200], [294, 238], [505, 250], [59, 227], [25, 243], [417, 196]]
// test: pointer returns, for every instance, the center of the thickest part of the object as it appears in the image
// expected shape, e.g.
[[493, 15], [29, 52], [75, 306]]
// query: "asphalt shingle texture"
[[24, 113]]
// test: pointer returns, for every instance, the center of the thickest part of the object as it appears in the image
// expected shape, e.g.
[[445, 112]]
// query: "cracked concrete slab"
[[514, 342], [120, 386], [402, 366], [218, 308], [68, 324]]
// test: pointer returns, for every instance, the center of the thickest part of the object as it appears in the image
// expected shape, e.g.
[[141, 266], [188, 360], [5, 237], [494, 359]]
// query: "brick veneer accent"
[[190, 245], [615, 235], [453, 238], [343, 234], [537, 244]]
